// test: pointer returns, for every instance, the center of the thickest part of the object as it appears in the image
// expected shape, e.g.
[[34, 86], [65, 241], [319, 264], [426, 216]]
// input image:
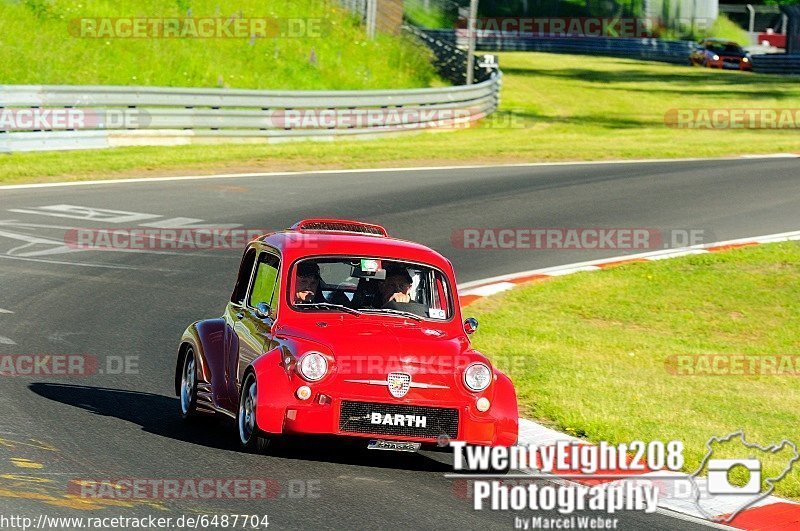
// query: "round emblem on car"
[[399, 383]]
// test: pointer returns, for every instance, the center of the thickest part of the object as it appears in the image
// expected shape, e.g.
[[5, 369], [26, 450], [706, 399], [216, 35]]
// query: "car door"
[[254, 319], [233, 313]]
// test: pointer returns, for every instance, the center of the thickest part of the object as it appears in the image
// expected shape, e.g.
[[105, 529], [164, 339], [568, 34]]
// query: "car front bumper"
[[339, 417]]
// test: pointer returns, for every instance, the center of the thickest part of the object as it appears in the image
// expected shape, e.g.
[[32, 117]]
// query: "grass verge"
[[554, 107], [599, 351], [302, 44]]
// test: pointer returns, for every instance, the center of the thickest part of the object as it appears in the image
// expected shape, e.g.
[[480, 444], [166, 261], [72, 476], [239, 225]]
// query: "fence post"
[[471, 25], [372, 17]]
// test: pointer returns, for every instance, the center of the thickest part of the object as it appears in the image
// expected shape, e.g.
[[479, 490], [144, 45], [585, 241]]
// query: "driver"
[[307, 283], [396, 287]]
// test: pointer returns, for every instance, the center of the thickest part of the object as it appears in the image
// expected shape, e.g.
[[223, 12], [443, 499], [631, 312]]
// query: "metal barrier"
[[450, 60], [90, 117], [776, 63], [635, 48], [676, 52]]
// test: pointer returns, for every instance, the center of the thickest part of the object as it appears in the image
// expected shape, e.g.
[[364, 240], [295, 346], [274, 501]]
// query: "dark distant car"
[[719, 53]]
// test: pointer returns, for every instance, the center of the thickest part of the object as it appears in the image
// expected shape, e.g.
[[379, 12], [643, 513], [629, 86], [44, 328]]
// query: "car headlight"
[[745, 59], [477, 377], [313, 366], [715, 57]]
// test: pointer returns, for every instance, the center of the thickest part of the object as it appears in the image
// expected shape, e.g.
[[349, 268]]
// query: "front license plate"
[[396, 446]]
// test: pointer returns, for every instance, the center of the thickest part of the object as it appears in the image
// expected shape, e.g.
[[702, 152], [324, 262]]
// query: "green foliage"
[[722, 28], [725, 28], [39, 44], [431, 14]]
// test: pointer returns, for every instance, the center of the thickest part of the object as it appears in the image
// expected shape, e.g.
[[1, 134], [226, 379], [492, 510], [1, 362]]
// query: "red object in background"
[[778, 40], [389, 377]]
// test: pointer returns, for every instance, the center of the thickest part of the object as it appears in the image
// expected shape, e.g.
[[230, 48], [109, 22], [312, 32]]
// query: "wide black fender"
[[211, 340]]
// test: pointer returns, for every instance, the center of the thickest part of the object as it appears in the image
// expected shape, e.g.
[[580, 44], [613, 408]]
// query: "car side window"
[[243, 280], [265, 283]]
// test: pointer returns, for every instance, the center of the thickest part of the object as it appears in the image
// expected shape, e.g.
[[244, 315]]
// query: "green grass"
[[725, 28], [722, 28], [37, 46], [554, 107], [589, 353], [434, 16]]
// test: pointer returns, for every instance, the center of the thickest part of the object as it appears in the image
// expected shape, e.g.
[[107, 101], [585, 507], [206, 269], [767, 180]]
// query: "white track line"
[[383, 170], [468, 288]]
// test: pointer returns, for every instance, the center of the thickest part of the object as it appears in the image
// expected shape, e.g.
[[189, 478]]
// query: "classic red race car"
[[334, 328]]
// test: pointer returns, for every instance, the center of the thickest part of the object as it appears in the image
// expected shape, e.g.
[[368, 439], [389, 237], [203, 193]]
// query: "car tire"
[[188, 394], [250, 437]]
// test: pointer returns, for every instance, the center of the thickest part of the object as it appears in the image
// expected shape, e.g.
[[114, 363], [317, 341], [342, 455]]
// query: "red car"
[[334, 328]]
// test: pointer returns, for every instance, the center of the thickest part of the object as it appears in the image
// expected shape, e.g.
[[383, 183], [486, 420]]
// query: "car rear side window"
[[243, 280], [265, 281]]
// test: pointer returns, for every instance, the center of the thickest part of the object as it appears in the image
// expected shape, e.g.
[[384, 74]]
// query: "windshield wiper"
[[328, 305], [393, 312]]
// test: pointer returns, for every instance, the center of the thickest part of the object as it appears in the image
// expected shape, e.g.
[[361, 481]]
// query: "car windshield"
[[723, 47], [369, 285]]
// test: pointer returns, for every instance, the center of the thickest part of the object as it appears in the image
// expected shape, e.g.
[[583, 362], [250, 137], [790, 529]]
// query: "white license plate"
[[396, 446]]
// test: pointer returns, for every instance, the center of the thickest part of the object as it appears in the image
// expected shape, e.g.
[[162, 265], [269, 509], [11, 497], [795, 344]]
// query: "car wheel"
[[189, 385], [251, 438]]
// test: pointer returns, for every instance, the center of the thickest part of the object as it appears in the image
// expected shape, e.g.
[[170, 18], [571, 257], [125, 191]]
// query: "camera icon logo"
[[718, 496], [719, 482]]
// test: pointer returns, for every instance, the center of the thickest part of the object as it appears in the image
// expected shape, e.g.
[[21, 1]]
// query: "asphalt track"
[[134, 305]]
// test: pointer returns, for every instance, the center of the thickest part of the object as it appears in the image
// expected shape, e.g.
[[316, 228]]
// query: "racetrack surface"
[[136, 304]]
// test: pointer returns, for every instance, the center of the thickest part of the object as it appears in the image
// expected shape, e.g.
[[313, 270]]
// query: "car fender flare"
[[506, 411], [207, 338], [273, 377]]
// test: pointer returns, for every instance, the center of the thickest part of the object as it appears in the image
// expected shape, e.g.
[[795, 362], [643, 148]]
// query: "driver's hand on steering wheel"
[[400, 297], [304, 296]]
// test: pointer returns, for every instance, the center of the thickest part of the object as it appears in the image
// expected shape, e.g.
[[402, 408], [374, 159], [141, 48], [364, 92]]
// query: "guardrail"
[[450, 60], [52, 117], [636, 48], [676, 52], [776, 63]]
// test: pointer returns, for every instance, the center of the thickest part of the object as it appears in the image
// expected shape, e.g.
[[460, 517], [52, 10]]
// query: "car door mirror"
[[262, 310], [470, 325]]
